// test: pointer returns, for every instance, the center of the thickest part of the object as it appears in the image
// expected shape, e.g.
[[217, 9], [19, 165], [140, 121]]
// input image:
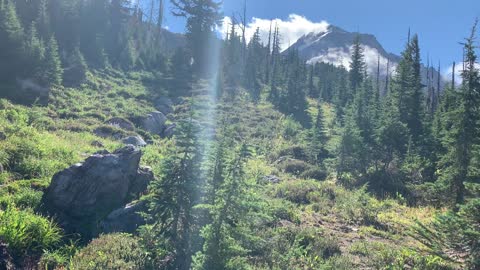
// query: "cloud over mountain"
[[291, 29]]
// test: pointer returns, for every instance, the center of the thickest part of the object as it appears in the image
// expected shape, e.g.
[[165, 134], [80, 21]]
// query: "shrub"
[[454, 233], [357, 206], [111, 251], [314, 173], [27, 233], [296, 152], [294, 166], [290, 128], [296, 191]]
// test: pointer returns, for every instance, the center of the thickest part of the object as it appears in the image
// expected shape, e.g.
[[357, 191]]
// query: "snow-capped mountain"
[[334, 46]]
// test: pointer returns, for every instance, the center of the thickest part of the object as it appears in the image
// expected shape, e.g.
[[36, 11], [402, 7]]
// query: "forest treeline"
[[397, 139]]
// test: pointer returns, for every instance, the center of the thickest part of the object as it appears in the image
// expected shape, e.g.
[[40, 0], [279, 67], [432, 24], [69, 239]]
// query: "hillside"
[[125, 146]]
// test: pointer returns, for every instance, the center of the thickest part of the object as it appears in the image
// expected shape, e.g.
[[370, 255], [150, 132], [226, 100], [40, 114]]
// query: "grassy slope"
[[43, 140]]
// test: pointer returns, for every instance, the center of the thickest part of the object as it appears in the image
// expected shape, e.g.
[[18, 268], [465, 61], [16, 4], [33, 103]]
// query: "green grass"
[[27, 233]]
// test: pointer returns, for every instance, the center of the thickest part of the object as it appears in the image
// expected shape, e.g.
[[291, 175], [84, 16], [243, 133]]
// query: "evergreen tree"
[[43, 19], [357, 66], [11, 36], [52, 66], [252, 73], [35, 53], [174, 195], [202, 16], [128, 56], [75, 68], [464, 130], [229, 211], [415, 106], [318, 136]]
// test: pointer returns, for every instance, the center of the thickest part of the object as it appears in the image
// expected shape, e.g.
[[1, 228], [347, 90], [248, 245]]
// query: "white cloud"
[[291, 29], [341, 57], [447, 73]]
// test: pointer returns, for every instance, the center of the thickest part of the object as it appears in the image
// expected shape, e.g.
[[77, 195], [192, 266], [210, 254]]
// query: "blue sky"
[[441, 24]]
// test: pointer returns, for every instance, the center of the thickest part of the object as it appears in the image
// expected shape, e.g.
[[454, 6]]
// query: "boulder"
[[164, 105], [121, 123], [126, 219], [154, 122], [135, 140], [84, 194], [271, 179], [97, 144], [169, 131]]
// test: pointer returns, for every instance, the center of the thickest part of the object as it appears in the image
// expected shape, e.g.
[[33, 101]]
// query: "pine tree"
[[252, 73], [357, 66], [464, 132], [35, 53], [202, 16], [174, 195], [318, 136], [11, 36], [76, 68], [52, 66], [229, 211], [312, 90], [43, 19], [128, 56], [415, 106]]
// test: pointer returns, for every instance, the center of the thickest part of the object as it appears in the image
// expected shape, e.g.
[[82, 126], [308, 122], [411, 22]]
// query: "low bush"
[[295, 151], [314, 173], [294, 166], [111, 251], [296, 191]]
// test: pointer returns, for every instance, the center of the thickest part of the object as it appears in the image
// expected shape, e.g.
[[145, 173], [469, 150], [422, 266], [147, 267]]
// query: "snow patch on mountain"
[[291, 29], [341, 57]]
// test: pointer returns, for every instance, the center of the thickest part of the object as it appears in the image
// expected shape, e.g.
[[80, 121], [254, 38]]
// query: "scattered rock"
[[271, 179], [82, 195], [126, 219], [169, 131], [6, 261], [110, 132], [135, 140], [164, 105], [121, 123], [348, 229], [154, 122], [97, 144]]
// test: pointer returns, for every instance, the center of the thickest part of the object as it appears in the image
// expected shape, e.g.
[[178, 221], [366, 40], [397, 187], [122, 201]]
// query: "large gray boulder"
[[135, 140], [164, 105], [154, 122], [82, 195], [126, 219], [120, 123]]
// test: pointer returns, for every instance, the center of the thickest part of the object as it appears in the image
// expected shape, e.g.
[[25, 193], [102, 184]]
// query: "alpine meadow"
[[200, 134]]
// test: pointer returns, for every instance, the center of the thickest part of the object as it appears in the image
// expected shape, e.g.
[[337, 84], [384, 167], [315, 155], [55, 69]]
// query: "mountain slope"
[[334, 47]]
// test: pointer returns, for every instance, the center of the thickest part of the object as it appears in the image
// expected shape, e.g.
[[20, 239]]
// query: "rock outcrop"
[[154, 122], [121, 123], [135, 140], [84, 194], [126, 219]]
